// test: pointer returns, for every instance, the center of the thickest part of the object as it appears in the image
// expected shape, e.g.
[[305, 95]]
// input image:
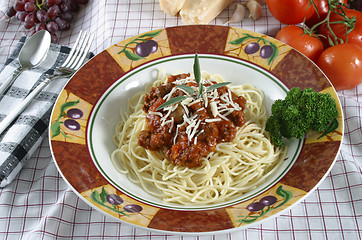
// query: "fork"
[[73, 62]]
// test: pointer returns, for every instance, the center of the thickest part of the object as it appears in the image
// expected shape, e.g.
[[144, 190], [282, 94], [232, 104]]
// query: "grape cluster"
[[51, 15]]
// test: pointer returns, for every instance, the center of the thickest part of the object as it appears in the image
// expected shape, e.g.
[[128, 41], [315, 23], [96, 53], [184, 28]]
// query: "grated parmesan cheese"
[[220, 106]]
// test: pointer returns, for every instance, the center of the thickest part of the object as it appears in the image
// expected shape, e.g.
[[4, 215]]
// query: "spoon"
[[31, 55]]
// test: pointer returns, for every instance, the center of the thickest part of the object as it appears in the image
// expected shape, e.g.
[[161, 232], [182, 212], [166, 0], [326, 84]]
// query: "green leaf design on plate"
[[274, 54], [65, 106], [55, 126], [132, 56], [285, 194], [101, 199], [240, 40], [143, 38], [103, 195], [247, 36], [150, 34]]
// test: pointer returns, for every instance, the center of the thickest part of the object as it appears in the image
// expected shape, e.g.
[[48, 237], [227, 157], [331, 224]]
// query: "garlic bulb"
[[238, 14], [254, 9]]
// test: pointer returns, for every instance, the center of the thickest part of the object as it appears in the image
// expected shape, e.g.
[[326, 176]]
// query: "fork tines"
[[79, 51]]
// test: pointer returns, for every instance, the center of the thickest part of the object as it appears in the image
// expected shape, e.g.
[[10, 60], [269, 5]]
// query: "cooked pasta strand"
[[233, 169]]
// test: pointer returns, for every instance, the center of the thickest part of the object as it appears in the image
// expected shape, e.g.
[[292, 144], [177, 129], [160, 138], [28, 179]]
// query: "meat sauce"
[[189, 131]]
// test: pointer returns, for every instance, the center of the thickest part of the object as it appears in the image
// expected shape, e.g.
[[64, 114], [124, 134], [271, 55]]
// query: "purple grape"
[[74, 7], [255, 207], [81, 1], [63, 25], [75, 113], [30, 20], [72, 124], [133, 208], [42, 16], [266, 51], [53, 11], [268, 200], [143, 49], [67, 16], [40, 26], [53, 2], [66, 7], [29, 6], [52, 26], [114, 199], [11, 12], [19, 6], [252, 48], [21, 16], [54, 37], [153, 45]]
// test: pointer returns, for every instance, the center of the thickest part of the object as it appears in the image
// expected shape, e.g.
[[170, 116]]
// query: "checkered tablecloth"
[[39, 204]]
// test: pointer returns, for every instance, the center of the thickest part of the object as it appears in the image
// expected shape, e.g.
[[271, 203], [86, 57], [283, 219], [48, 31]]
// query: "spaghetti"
[[229, 170]]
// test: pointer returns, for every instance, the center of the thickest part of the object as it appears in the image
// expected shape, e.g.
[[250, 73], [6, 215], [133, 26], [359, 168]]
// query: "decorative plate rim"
[[164, 38]]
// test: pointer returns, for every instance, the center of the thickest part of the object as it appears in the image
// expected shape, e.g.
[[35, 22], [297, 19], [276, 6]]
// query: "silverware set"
[[32, 54], [73, 62]]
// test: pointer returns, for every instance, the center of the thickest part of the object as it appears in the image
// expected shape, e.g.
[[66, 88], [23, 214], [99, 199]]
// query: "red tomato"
[[294, 36], [355, 36], [290, 11], [342, 64], [322, 7]]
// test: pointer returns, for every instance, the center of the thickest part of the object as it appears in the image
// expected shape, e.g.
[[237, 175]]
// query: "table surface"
[[39, 204]]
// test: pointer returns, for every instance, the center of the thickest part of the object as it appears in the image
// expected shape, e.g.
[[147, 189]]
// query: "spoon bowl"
[[31, 55]]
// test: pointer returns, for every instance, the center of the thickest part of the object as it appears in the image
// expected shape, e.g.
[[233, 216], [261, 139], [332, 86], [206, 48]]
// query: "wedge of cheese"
[[171, 7], [202, 11]]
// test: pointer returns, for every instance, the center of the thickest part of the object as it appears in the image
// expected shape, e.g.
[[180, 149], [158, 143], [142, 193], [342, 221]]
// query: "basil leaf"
[[201, 89], [217, 85], [171, 101], [187, 89], [197, 71]]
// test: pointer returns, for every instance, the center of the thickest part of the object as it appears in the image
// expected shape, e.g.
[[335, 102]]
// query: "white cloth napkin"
[[19, 141]]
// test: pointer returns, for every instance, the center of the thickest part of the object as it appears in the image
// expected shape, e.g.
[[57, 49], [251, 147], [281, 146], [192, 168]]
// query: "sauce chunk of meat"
[[191, 129]]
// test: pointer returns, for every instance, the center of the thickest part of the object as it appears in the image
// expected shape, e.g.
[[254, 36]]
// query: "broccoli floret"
[[299, 112], [273, 127]]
